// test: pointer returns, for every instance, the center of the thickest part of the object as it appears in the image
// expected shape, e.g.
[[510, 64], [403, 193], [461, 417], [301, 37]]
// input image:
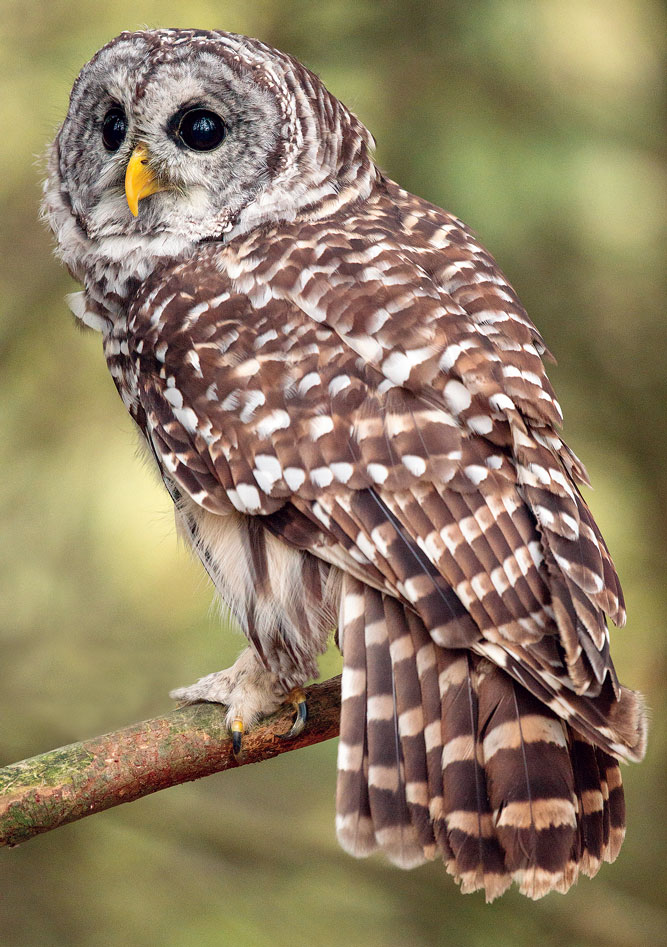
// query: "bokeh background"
[[538, 122]]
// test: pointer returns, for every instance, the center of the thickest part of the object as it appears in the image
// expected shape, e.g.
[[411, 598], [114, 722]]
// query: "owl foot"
[[249, 692], [298, 700]]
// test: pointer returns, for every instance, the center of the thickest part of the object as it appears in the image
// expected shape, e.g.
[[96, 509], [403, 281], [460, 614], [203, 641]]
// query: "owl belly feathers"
[[348, 406]]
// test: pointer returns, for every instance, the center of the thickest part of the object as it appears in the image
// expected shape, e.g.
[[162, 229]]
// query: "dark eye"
[[201, 130], [114, 128]]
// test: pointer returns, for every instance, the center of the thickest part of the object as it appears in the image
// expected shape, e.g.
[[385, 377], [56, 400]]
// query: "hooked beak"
[[140, 180]]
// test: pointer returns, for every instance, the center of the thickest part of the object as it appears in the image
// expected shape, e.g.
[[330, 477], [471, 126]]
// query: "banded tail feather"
[[444, 754]]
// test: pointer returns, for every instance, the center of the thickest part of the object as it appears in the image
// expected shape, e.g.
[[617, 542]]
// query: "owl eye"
[[201, 130], [114, 128]]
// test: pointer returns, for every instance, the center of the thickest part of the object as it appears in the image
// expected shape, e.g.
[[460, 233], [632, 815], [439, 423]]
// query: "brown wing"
[[369, 417]]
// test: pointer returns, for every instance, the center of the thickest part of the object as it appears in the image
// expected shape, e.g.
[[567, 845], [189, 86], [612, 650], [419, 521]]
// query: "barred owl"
[[348, 406]]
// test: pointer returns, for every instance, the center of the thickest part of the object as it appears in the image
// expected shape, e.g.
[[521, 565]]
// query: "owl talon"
[[237, 735], [298, 699]]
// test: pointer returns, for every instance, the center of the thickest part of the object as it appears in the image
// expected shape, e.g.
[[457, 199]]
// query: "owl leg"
[[249, 691]]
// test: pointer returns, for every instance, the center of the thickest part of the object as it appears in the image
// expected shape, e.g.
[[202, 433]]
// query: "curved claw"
[[237, 735], [301, 707]]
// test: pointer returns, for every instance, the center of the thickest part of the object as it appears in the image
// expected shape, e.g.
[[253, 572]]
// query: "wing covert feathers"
[[442, 754]]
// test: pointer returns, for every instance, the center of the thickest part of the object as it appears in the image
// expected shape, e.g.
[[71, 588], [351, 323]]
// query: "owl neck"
[[293, 198], [113, 269]]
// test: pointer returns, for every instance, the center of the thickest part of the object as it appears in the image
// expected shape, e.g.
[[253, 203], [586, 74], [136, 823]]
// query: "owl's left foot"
[[249, 692]]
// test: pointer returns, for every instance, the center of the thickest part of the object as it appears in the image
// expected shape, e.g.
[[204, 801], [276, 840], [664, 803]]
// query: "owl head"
[[174, 137]]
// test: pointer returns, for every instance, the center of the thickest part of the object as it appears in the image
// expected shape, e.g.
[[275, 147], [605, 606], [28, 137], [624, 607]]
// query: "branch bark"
[[39, 794]]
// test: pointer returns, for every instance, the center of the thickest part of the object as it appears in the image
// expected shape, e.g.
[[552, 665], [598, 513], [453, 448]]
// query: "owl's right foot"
[[249, 692]]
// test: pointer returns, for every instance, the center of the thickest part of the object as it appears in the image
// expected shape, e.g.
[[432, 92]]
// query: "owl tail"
[[441, 753]]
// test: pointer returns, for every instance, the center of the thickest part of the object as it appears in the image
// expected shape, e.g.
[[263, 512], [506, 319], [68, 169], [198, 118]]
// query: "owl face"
[[165, 139], [178, 137]]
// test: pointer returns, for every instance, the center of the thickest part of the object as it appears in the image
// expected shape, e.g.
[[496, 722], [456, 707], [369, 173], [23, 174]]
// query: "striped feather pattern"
[[441, 754], [354, 823]]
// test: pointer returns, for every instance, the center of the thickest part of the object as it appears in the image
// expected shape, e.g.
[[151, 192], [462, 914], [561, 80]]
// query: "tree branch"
[[64, 785]]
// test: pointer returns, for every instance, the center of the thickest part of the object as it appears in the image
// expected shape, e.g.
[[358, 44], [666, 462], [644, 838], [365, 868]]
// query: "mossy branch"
[[66, 784]]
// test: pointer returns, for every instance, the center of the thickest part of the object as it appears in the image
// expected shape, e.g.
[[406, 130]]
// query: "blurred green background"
[[537, 122]]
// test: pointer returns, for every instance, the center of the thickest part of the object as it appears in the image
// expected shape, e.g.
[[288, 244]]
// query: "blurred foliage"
[[537, 122]]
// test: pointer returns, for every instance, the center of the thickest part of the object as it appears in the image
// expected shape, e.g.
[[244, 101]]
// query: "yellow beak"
[[140, 181]]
